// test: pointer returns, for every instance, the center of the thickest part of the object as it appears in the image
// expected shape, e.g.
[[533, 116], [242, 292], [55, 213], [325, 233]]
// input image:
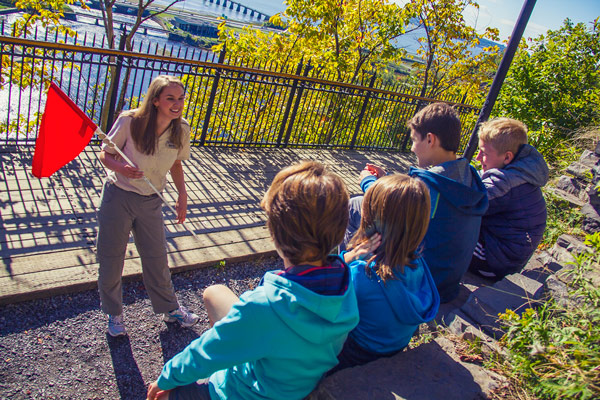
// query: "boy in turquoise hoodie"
[[276, 341]]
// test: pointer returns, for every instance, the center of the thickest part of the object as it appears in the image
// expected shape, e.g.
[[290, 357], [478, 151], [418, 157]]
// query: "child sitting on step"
[[394, 288], [513, 173], [277, 341]]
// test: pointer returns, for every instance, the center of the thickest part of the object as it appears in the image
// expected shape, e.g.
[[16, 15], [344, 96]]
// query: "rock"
[[594, 197], [580, 171], [460, 325], [574, 201], [536, 268], [591, 220], [557, 290], [431, 371], [572, 186], [589, 159], [572, 244]]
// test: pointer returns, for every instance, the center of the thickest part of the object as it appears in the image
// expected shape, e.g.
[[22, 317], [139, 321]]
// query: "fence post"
[[117, 77], [211, 99], [509, 53], [296, 105], [362, 112], [289, 105]]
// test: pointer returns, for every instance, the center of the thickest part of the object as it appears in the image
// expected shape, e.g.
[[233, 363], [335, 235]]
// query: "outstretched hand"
[[156, 393], [375, 170], [364, 249]]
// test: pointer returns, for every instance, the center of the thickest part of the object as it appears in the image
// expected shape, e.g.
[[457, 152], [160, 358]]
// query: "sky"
[[547, 14]]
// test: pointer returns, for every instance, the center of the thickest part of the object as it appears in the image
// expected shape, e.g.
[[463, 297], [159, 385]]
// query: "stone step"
[[435, 370]]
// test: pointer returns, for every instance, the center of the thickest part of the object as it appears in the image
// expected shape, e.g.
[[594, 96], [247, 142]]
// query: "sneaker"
[[116, 326], [486, 274], [183, 316]]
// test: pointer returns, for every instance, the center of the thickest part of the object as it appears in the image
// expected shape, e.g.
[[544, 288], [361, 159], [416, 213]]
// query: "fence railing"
[[228, 103]]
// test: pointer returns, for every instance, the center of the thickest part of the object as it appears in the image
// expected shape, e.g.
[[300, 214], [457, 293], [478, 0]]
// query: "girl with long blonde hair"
[[155, 138]]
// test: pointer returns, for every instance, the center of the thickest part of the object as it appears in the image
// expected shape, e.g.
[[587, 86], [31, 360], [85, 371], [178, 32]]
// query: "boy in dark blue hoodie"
[[458, 196], [513, 173]]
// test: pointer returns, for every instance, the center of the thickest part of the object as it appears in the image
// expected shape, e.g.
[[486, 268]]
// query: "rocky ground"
[[57, 348]]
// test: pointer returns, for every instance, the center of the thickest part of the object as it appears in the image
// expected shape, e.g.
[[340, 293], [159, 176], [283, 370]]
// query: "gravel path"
[[58, 348]]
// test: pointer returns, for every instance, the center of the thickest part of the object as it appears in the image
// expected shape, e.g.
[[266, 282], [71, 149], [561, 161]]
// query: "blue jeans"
[[354, 214]]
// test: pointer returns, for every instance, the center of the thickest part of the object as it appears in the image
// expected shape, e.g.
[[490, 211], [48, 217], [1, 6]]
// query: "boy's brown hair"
[[397, 207], [440, 119], [504, 134], [307, 210]]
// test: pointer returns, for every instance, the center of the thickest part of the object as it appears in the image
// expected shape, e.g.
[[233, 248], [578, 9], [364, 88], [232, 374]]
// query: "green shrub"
[[555, 349]]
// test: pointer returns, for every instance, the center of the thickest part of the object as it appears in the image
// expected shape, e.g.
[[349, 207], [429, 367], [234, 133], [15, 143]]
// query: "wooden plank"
[[77, 278], [55, 261]]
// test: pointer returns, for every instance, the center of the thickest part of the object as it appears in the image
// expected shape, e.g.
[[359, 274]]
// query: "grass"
[[562, 219], [555, 349]]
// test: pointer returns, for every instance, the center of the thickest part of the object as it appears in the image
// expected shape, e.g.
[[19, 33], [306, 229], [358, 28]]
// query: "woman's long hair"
[[143, 125], [397, 207]]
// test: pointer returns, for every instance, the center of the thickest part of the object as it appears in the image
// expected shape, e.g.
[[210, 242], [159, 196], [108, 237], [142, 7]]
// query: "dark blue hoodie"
[[514, 224], [458, 201]]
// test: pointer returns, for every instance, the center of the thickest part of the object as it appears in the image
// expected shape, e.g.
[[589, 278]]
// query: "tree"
[[447, 49], [343, 37], [49, 12], [554, 83], [342, 40]]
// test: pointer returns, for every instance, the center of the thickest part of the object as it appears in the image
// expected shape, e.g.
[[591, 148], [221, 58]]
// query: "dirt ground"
[[57, 348]]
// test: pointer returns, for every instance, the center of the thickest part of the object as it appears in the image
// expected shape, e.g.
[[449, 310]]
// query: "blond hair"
[[307, 211], [396, 206], [143, 125], [504, 134]]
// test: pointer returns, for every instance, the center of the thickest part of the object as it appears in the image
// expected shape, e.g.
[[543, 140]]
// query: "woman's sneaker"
[[183, 316], [116, 326]]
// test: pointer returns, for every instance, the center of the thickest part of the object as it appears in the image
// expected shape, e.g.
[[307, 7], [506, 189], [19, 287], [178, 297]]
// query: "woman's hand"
[[181, 207], [131, 172], [364, 249]]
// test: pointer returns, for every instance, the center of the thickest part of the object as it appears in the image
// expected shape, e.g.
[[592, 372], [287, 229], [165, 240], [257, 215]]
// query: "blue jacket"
[[456, 211], [391, 312], [275, 343], [514, 224]]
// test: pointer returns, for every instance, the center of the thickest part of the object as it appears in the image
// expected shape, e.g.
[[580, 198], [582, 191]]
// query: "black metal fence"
[[229, 102]]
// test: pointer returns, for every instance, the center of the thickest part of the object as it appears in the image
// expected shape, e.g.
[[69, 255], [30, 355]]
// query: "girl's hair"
[[143, 125], [307, 211], [397, 207]]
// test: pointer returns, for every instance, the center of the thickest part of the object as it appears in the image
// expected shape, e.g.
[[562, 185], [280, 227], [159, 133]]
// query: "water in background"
[[265, 7]]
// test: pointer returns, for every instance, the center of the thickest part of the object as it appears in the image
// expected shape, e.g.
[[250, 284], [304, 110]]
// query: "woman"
[[155, 138]]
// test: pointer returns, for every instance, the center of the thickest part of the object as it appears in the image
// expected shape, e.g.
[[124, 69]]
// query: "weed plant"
[[555, 349], [562, 219]]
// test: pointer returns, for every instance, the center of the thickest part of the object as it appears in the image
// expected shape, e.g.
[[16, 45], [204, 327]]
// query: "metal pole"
[[509, 54]]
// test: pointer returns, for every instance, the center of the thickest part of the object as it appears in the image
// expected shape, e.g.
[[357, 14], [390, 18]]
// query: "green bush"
[[555, 349]]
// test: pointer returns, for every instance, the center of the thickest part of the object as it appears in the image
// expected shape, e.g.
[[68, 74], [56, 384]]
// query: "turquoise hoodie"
[[275, 343], [390, 312]]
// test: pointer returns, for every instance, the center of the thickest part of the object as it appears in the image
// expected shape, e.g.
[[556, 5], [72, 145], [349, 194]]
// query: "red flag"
[[64, 132]]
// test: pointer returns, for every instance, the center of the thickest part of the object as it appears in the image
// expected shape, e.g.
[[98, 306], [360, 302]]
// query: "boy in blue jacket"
[[513, 173], [458, 197], [276, 341]]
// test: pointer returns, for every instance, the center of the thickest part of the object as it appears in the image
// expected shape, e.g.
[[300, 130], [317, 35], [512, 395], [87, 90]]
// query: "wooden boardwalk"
[[48, 226]]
